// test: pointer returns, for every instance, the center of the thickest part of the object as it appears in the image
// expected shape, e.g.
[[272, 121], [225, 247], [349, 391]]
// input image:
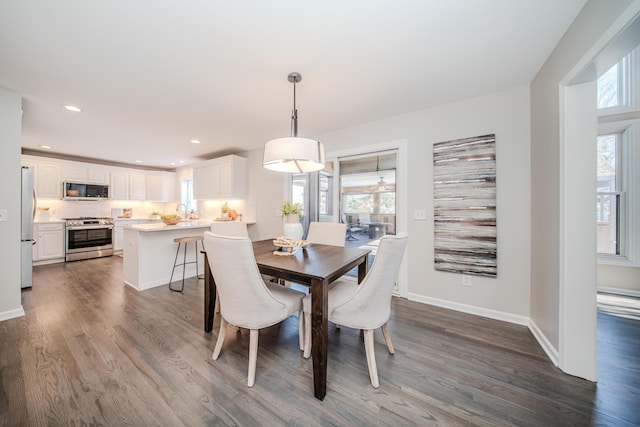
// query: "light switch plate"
[[3, 215], [420, 214]]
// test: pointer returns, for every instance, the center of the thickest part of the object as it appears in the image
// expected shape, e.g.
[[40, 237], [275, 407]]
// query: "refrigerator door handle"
[[35, 202]]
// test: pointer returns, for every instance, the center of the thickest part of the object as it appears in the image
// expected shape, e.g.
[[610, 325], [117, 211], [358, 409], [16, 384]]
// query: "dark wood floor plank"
[[93, 351]]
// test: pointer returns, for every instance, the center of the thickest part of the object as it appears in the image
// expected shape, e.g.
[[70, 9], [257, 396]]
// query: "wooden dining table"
[[315, 266]]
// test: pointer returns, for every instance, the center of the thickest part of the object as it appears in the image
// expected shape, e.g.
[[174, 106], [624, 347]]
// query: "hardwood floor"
[[92, 351]]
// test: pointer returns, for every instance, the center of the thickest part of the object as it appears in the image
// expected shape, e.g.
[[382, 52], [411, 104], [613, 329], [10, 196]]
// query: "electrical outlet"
[[3, 215], [420, 214], [466, 280]]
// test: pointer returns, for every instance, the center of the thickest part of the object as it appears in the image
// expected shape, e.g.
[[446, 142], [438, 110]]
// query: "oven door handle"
[[97, 227]]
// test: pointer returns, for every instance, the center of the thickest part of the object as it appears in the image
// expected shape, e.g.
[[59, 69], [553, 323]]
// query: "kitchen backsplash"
[[209, 209], [59, 209]]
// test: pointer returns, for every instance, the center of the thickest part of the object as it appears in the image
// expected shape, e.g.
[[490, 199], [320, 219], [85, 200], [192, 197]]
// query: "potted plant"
[[291, 211], [154, 214], [292, 226]]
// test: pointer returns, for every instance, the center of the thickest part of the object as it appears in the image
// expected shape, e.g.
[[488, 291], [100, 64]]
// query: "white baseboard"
[[551, 352], [491, 314], [619, 291], [12, 314]]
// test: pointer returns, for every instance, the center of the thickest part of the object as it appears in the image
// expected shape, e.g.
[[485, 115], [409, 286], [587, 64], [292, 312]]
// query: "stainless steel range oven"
[[88, 238]]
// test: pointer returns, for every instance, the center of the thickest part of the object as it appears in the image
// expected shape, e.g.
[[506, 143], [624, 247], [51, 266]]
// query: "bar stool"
[[180, 241]]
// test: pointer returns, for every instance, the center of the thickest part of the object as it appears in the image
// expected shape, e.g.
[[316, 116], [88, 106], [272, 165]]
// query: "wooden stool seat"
[[186, 240]]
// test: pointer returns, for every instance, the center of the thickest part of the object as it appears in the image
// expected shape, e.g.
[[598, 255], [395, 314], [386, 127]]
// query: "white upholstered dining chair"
[[230, 228], [367, 305], [327, 233], [246, 300]]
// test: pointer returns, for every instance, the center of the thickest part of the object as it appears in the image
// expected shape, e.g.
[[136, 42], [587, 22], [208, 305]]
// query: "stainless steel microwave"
[[78, 191]]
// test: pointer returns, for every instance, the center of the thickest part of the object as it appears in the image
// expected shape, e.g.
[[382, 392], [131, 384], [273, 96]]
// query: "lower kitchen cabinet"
[[49, 246]]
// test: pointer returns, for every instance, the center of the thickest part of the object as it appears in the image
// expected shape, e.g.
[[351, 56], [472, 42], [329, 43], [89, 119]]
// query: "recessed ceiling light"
[[195, 141], [138, 161], [172, 163], [46, 147], [72, 108], [181, 161]]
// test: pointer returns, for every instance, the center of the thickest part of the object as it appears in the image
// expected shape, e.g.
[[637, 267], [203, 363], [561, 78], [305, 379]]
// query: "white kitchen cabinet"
[[48, 184], [74, 173], [137, 185], [221, 178], [118, 232], [85, 173], [50, 240], [98, 176], [160, 186], [119, 185]]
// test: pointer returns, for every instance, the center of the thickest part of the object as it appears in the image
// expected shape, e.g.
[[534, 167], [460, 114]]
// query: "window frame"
[[629, 190]]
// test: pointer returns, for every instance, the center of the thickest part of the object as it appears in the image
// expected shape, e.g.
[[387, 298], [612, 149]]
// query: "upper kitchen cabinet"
[[85, 174], [160, 186], [47, 180], [221, 178], [119, 184], [137, 186], [127, 184]]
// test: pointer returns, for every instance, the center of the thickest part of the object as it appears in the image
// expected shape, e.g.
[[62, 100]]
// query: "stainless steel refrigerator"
[[28, 212]]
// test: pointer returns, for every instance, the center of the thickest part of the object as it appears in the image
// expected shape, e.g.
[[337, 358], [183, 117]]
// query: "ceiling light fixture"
[[46, 147], [293, 154], [72, 108], [382, 185], [195, 141]]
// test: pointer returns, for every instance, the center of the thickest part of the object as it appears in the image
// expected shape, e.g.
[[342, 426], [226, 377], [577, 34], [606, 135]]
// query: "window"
[[611, 198], [618, 164], [187, 194]]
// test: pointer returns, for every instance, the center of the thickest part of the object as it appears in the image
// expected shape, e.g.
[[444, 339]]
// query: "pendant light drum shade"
[[293, 154]]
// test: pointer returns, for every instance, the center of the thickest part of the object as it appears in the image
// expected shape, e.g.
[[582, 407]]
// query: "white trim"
[[471, 309], [12, 314], [401, 193], [549, 349], [568, 260], [619, 291]]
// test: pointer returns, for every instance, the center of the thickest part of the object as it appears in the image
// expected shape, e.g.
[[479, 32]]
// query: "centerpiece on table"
[[292, 212]]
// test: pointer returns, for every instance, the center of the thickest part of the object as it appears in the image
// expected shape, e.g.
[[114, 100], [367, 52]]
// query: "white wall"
[[10, 176], [507, 115], [624, 279], [590, 24]]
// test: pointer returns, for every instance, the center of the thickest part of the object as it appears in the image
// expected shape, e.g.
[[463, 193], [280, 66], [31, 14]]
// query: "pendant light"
[[293, 154]]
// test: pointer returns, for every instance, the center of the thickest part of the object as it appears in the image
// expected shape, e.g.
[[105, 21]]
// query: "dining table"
[[315, 266]]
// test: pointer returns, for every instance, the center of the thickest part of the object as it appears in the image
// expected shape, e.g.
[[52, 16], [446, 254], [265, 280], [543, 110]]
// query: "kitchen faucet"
[[185, 209]]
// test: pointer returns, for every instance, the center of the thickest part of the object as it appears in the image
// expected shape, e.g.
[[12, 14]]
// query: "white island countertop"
[[160, 226]]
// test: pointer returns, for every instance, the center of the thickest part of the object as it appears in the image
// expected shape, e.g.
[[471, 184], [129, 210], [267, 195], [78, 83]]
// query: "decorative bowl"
[[170, 220]]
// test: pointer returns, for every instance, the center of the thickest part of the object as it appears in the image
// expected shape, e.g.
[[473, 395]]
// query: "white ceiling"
[[150, 75]]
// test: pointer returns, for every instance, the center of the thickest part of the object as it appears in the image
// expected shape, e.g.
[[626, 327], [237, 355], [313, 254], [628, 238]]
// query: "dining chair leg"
[[301, 330], [387, 338], [371, 357], [221, 334], [216, 309], [307, 335], [253, 356]]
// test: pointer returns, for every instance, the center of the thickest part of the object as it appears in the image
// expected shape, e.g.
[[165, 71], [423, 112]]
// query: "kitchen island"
[[149, 252]]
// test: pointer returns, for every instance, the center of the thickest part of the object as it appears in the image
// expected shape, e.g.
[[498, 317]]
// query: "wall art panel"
[[464, 184]]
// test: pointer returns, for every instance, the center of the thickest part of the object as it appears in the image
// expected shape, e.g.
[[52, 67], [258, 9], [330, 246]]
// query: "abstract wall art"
[[464, 186]]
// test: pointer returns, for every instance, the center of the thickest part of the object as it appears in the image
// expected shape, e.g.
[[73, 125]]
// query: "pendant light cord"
[[294, 114]]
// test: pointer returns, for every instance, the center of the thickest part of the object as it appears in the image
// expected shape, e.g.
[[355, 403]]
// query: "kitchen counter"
[[161, 226]]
